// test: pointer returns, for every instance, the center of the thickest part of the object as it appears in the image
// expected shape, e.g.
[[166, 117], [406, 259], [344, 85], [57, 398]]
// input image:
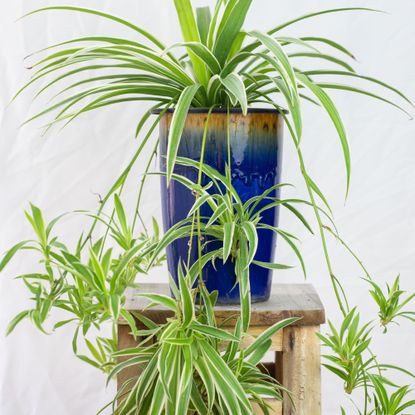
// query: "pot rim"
[[222, 110]]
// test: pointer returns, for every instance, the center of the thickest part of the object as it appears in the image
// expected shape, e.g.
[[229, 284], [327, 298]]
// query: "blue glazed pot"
[[256, 152]]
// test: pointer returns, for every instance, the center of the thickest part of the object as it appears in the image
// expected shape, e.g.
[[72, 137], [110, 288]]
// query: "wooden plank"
[[276, 407], [125, 341], [301, 370], [287, 300]]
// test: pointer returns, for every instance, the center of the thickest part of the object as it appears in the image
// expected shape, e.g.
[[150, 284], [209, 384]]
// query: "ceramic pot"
[[256, 155]]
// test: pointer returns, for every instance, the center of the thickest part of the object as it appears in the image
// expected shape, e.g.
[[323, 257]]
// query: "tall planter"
[[256, 153]]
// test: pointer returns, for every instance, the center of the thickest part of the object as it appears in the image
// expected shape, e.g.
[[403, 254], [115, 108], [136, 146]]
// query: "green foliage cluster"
[[352, 361], [185, 369]]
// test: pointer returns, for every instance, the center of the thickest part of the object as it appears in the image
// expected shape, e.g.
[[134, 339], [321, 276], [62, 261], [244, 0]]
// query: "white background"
[[64, 171]]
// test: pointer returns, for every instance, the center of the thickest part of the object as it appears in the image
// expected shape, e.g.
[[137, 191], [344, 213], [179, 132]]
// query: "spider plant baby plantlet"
[[351, 359], [88, 283], [391, 305], [393, 404], [228, 234]]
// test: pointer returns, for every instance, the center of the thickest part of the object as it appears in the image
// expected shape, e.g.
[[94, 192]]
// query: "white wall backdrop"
[[66, 170]]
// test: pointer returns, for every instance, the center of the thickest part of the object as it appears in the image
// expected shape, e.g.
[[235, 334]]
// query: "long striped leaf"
[[289, 239], [202, 52], [213, 88], [316, 189], [160, 299], [276, 49], [158, 399], [271, 265], [213, 332], [208, 382], [267, 334], [132, 26], [213, 24], [231, 24], [234, 84], [177, 126], [356, 75], [217, 214], [186, 299], [190, 33], [299, 216], [237, 44], [138, 360], [198, 401], [103, 39], [226, 383], [201, 262], [287, 40], [252, 237], [228, 234], [232, 64], [323, 56], [184, 387], [329, 42], [200, 201], [204, 19], [242, 273], [320, 13], [335, 117], [284, 67], [16, 320], [356, 90], [11, 253], [294, 108]]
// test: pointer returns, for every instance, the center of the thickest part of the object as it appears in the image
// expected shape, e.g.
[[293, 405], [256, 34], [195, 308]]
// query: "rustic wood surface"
[[276, 407], [287, 300], [126, 341], [301, 370]]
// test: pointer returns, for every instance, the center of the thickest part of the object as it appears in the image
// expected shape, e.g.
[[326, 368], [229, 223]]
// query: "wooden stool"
[[296, 349]]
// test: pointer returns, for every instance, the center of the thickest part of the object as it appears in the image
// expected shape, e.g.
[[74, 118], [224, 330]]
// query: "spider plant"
[[386, 402], [87, 284], [351, 359], [233, 224], [183, 370], [222, 65], [390, 304], [347, 347], [217, 63], [390, 404]]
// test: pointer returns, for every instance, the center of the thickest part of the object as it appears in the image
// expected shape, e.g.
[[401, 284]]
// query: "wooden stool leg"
[[301, 370]]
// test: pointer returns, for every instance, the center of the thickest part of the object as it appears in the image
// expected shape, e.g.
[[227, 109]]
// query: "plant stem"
[[123, 177], [140, 192], [343, 307], [199, 182], [335, 283]]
